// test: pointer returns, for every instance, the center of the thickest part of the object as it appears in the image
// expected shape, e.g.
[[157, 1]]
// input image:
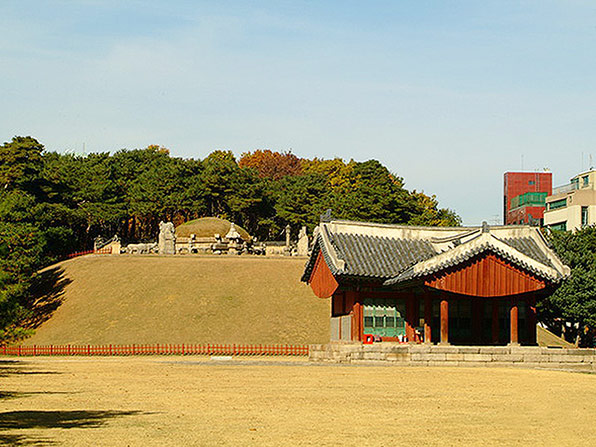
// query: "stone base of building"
[[583, 360]]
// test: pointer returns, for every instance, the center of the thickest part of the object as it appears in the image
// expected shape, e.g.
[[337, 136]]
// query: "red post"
[[410, 319], [444, 321], [428, 315], [513, 323]]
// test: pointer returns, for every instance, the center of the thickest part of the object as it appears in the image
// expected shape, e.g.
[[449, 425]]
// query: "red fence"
[[155, 349], [101, 251]]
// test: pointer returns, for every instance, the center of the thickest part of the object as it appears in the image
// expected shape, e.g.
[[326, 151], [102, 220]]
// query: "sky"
[[449, 95]]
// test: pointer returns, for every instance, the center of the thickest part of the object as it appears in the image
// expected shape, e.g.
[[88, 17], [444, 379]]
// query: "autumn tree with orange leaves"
[[272, 165]]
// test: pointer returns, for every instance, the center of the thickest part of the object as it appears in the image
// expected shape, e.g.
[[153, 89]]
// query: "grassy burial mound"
[[185, 299]]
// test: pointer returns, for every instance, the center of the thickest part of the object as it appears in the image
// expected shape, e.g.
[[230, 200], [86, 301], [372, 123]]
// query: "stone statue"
[[302, 246], [233, 234], [167, 239], [141, 249], [288, 234]]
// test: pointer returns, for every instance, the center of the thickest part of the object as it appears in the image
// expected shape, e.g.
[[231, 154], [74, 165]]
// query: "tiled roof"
[[396, 253]]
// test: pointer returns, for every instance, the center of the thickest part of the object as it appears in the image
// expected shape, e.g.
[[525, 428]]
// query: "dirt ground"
[[197, 401]]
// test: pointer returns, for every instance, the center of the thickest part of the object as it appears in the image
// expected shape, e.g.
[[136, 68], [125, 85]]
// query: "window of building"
[[562, 226], [531, 182], [584, 216], [585, 181], [557, 204], [384, 317]]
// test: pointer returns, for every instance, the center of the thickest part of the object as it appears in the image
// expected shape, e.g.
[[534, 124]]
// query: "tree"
[[428, 212], [301, 200], [22, 247], [574, 302], [272, 165], [20, 163]]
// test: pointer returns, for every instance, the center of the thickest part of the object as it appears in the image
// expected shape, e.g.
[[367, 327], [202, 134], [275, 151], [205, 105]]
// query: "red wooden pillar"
[[352, 301], [428, 315], [495, 321], [444, 321], [410, 318], [531, 310], [513, 322]]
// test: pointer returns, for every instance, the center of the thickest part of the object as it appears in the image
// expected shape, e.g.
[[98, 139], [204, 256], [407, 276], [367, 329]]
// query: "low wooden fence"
[[155, 349], [101, 251]]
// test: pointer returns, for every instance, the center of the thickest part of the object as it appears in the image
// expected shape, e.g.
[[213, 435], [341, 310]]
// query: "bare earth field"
[[195, 401]]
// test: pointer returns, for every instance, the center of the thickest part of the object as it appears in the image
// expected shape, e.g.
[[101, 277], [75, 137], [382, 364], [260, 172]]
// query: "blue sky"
[[448, 94]]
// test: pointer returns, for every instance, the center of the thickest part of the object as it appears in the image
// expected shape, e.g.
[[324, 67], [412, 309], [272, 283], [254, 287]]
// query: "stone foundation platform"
[[583, 360]]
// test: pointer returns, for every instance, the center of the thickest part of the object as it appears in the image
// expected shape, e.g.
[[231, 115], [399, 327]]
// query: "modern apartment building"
[[572, 206], [524, 196]]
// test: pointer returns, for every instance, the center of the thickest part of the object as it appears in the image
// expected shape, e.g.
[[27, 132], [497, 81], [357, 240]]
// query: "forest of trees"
[[53, 204]]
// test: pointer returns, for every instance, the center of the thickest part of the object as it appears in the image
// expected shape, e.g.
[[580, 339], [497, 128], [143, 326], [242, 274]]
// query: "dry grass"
[[186, 299], [546, 338], [196, 402]]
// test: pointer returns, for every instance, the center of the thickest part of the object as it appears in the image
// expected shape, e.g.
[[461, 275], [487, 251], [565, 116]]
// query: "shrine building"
[[448, 285]]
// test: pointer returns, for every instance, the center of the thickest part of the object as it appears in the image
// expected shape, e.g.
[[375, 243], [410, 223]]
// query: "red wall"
[[486, 276], [516, 183], [322, 281]]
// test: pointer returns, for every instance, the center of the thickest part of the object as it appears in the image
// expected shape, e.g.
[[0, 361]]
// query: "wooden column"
[[513, 321], [410, 318], [428, 315], [495, 321], [531, 310], [352, 303], [444, 321]]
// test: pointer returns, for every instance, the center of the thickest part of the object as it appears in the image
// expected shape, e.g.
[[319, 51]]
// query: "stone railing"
[[433, 355]]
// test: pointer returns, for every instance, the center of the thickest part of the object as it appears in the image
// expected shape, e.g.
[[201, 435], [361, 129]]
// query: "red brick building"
[[524, 195]]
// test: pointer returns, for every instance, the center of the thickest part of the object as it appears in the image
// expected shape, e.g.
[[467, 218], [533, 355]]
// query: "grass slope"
[[185, 299], [547, 338]]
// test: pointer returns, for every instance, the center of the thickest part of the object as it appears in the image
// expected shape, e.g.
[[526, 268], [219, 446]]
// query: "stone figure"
[[167, 239], [141, 248], [302, 246], [288, 234]]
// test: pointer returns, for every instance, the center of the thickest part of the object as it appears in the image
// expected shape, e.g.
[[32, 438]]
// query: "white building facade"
[[572, 206]]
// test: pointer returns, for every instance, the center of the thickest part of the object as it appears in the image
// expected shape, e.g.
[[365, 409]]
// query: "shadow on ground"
[[19, 394], [22, 420], [47, 294], [18, 440], [8, 367], [11, 420]]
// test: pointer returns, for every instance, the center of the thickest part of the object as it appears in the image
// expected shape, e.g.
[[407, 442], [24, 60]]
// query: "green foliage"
[[22, 247], [20, 162], [574, 301]]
